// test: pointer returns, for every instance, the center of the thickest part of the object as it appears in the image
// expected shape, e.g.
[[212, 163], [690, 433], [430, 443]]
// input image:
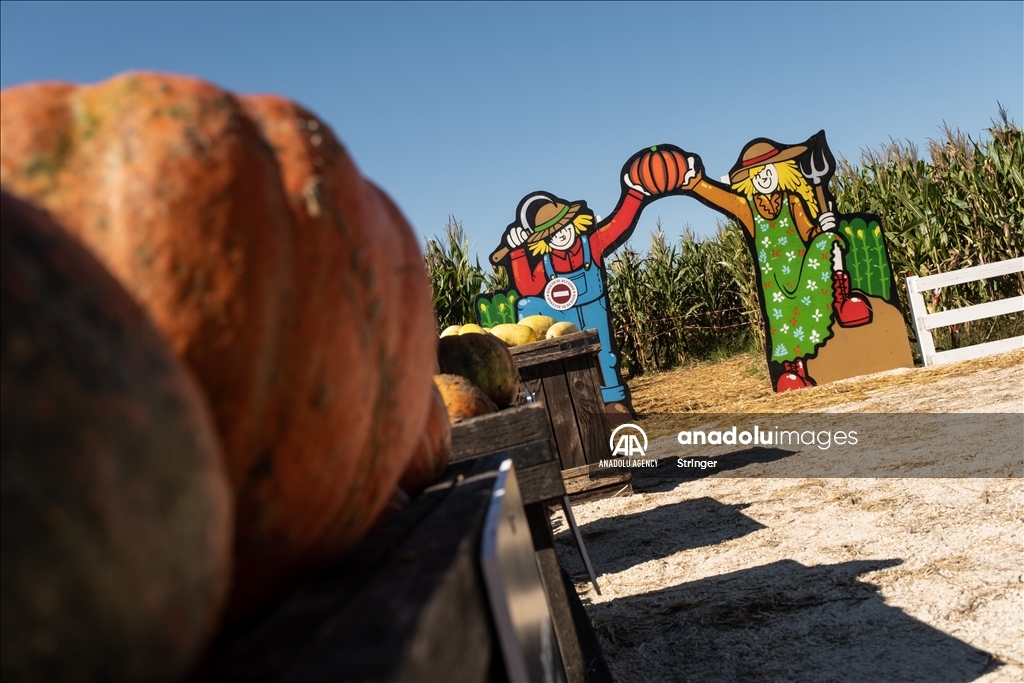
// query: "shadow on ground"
[[779, 622], [667, 476], [618, 543]]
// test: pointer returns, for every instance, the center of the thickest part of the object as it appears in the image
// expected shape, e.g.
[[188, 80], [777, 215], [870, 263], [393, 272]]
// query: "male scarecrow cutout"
[[554, 252]]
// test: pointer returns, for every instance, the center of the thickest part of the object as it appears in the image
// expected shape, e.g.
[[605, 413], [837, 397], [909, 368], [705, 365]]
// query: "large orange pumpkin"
[[292, 287], [433, 452], [660, 169], [116, 524]]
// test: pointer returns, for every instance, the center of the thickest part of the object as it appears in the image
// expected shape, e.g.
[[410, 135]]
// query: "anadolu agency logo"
[[628, 444]]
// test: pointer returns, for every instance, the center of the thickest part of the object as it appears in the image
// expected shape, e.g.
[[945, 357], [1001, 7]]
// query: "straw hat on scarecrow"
[[761, 153]]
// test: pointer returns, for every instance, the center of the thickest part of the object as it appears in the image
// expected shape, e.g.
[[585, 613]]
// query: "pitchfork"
[[818, 165]]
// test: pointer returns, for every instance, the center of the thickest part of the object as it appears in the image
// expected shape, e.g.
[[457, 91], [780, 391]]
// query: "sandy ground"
[[780, 578]]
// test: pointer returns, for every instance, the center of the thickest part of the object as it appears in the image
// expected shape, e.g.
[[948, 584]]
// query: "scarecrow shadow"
[[780, 621], [667, 475], [618, 543]]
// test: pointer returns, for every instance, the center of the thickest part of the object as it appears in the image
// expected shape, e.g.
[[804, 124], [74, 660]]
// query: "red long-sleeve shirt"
[[530, 282]]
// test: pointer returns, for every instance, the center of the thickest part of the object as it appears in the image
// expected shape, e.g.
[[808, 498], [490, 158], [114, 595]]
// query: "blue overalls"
[[589, 312]]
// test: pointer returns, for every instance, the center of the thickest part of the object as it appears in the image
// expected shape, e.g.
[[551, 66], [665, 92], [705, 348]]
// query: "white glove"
[[635, 187], [691, 172], [516, 236], [827, 221]]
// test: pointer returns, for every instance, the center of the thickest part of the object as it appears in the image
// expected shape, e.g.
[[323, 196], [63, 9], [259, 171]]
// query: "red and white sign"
[[561, 293]]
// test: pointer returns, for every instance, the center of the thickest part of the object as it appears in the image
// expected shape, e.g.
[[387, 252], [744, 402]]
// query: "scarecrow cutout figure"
[[823, 279], [554, 252], [827, 292]]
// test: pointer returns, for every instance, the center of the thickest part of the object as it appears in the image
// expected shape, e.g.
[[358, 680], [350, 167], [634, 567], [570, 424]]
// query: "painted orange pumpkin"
[[290, 285], [660, 169]]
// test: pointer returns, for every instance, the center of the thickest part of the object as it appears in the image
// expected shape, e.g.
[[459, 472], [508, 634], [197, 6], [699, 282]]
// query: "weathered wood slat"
[[499, 431], [564, 429], [541, 483], [589, 408], [538, 471], [548, 350], [424, 616], [567, 381], [578, 482], [531, 377], [530, 454], [262, 648], [596, 668], [558, 599], [595, 369], [556, 355]]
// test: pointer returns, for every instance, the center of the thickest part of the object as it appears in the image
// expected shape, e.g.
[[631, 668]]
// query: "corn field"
[[456, 280], [695, 299]]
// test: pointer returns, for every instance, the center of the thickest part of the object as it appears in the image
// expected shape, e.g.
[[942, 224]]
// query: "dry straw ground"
[[814, 579]]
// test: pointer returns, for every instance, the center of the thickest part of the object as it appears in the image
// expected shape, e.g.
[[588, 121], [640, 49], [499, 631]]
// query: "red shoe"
[[794, 376], [852, 309]]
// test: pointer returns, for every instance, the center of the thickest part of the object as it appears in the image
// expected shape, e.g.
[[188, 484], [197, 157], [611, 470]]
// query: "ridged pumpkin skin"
[[463, 399], [434, 451], [116, 509], [660, 169], [292, 287]]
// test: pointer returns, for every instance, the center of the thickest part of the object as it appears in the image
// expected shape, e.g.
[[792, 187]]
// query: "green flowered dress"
[[796, 283]]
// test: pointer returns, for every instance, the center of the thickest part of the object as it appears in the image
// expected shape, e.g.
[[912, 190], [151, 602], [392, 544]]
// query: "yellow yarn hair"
[[790, 179], [580, 223], [541, 247]]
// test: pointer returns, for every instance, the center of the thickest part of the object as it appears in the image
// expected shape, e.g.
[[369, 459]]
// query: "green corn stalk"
[[456, 280], [960, 204]]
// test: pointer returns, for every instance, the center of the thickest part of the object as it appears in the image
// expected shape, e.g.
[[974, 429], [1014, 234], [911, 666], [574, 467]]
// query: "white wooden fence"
[[925, 322]]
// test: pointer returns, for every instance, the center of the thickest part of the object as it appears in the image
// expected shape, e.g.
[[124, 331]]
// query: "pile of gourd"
[[527, 331], [479, 375], [217, 358]]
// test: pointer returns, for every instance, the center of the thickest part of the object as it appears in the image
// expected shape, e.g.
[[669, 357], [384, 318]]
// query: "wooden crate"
[[524, 435], [565, 377], [407, 605]]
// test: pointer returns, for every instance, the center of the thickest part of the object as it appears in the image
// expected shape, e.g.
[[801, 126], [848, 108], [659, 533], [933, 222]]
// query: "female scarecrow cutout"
[[799, 256]]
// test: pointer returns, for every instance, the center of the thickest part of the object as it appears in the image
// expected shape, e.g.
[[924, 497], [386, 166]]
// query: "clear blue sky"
[[464, 108]]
